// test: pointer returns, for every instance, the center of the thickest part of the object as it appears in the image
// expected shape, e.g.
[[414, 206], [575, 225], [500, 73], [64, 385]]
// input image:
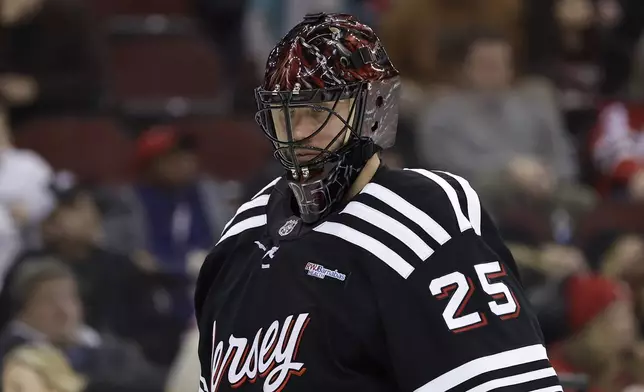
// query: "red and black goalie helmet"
[[324, 61]]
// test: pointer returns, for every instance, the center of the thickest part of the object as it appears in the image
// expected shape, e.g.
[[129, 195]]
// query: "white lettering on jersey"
[[270, 253], [270, 356]]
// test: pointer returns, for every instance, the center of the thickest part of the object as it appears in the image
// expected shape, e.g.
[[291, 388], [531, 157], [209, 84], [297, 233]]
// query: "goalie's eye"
[[318, 112]]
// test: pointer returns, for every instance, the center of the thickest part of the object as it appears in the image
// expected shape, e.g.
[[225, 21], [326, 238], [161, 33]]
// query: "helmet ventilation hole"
[[379, 101]]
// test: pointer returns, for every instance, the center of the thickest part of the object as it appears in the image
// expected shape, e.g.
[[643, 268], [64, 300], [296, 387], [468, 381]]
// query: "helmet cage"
[[285, 150], [374, 115]]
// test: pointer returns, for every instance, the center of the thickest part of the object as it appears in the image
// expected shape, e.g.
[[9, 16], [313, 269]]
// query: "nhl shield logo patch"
[[288, 227]]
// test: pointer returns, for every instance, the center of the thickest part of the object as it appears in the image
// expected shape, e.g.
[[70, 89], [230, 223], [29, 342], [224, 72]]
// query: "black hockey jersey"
[[407, 287]]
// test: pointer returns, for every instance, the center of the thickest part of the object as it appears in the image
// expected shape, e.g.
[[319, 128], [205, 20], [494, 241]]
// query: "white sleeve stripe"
[[246, 224], [258, 202], [463, 223], [203, 386], [371, 245], [473, 202], [556, 388], [429, 225], [272, 183], [483, 365], [391, 226], [514, 380]]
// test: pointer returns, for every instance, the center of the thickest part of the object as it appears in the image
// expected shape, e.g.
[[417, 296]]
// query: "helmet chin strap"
[[316, 198]]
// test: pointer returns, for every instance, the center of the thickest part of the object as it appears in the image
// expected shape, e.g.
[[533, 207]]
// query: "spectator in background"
[[620, 256], [403, 25], [623, 260], [546, 262], [40, 368], [174, 215], [222, 22], [116, 295], [266, 21], [49, 58], [50, 312], [173, 209], [564, 40], [25, 197], [419, 35], [46, 297], [416, 29], [513, 148], [618, 150], [619, 46], [506, 131], [601, 320]]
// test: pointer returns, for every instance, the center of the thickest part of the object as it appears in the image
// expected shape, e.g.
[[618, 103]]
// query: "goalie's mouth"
[[306, 156]]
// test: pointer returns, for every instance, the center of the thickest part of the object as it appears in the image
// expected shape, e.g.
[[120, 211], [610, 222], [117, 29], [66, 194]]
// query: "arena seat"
[[94, 149], [229, 149], [149, 67], [106, 8]]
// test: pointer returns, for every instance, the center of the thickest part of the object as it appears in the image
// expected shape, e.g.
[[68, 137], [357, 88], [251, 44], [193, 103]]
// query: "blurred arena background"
[[127, 140]]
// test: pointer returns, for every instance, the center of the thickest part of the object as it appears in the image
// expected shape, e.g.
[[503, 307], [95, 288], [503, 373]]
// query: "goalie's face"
[[313, 131]]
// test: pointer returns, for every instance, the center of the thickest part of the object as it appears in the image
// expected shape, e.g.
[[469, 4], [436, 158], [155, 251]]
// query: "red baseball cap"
[[588, 297], [155, 142]]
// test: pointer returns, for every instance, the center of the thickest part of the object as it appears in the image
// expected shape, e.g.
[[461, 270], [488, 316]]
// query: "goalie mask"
[[328, 103]]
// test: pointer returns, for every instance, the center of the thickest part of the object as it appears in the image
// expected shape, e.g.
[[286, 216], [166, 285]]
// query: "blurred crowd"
[[127, 142]]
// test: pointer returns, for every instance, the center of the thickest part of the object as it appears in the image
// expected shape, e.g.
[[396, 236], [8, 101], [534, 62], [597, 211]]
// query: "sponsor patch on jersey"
[[321, 272]]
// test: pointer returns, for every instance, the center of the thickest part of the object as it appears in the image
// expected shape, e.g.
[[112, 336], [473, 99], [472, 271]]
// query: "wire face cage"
[[279, 110], [371, 112]]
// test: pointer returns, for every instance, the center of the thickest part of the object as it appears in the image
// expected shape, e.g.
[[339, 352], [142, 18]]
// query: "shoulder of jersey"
[[406, 215], [251, 214]]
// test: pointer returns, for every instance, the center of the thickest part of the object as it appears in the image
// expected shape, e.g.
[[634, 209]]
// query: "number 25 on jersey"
[[504, 304]]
